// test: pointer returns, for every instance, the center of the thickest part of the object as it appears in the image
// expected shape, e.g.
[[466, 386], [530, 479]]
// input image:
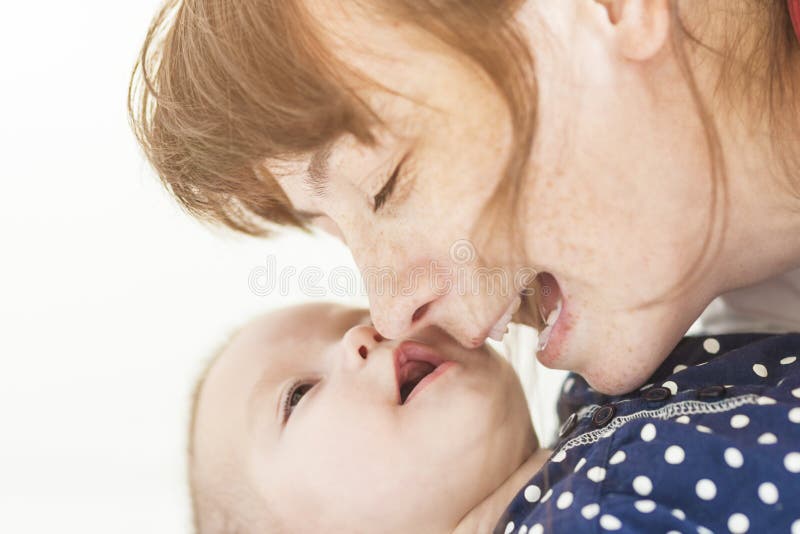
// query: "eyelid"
[[286, 397], [386, 191]]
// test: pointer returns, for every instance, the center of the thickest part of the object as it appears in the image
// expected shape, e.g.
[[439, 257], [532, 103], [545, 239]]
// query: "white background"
[[111, 298]]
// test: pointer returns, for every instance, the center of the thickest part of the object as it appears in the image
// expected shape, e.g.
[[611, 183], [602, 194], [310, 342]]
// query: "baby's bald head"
[[303, 421]]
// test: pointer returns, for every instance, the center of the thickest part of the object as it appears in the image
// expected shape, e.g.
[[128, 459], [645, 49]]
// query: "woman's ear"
[[641, 27]]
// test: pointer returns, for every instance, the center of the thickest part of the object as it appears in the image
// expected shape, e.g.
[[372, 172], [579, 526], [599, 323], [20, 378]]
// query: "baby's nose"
[[359, 340]]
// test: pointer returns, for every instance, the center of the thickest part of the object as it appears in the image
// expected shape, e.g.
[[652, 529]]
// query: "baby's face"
[[310, 411]]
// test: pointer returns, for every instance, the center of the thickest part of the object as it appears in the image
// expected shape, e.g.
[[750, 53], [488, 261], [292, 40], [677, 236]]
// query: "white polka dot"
[[532, 493], [609, 522], [523, 530], [794, 415], [733, 457], [704, 429], [644, 387], [738, 523], [547, 495], [796, 392], [765, 401], [760, 370], [559, 457], [792, 462], [509, 527], [678, 368], [536, 529], [645, 506], [705, 489], [596, 474], [674, 455], [590, 511], [580, 464], [768, 438], [703, 530], [649, 432], [618, 458], [684, 419], [671, 386], [677, 512], [642, 485], [568, 384], [788, 360], [711, 345], [796, 527], [673, 532], [768, 493], [564, 500], [740, 420]]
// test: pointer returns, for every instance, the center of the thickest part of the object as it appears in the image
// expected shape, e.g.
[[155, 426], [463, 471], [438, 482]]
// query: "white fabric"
[[770, 306]]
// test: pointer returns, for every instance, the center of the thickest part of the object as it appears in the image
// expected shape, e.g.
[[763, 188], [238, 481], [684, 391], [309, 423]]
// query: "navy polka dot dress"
[[712, 444]]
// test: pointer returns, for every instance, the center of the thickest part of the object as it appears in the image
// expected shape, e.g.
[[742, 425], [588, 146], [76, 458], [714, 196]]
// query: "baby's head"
[[307, 422]]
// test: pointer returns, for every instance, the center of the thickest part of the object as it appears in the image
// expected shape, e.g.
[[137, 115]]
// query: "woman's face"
[[312, 412], [614, 207]]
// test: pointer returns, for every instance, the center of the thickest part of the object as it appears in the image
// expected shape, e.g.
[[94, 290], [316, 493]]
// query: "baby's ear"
[[640, 28]]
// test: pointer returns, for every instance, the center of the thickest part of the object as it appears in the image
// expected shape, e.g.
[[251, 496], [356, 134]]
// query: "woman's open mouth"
[[549, 306], [416, 366]]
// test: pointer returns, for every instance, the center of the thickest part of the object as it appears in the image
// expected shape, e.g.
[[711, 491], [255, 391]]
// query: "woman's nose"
[[359, 341], [401, 291]]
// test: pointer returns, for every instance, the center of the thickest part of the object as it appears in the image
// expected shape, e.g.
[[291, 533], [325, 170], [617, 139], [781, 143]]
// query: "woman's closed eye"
[[388, 188], [294, 396]]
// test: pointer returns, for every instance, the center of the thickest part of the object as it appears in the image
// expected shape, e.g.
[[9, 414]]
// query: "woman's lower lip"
[[425, 382]]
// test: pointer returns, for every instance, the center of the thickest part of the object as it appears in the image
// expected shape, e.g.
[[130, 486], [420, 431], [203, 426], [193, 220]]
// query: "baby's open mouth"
[[413, 373], [415, 366]]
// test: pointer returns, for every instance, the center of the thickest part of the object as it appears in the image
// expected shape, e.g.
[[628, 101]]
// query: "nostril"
[[362, 351], [378, 338], [419, 313]]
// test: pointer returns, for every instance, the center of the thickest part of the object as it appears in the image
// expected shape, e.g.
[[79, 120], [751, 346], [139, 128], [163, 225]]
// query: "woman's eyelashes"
[[294, 396], [388, 188]]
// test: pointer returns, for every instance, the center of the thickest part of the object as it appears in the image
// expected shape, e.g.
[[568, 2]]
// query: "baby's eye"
[[293, 398]]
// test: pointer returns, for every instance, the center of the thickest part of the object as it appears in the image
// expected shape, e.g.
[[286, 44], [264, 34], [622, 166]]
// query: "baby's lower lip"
[[425, 382]]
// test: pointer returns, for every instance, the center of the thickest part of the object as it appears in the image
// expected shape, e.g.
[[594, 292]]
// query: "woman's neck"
[[484, 517]]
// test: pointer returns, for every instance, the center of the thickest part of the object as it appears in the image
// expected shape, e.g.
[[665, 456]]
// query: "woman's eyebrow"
[[317, 172]]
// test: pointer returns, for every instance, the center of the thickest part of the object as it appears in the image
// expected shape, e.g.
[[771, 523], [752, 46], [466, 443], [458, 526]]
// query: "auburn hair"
[[220, 87]]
